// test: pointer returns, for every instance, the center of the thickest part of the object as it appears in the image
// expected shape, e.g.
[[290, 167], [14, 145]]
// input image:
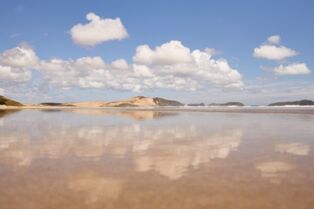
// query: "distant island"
[[300, 102]]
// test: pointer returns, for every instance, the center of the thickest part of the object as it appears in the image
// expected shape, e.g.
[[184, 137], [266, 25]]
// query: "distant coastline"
[[157, 103]]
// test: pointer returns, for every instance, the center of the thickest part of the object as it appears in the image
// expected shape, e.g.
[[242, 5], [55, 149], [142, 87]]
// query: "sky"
[[255, 52]]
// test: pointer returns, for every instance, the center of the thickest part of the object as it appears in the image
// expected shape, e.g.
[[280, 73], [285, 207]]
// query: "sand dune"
[[139, 101]]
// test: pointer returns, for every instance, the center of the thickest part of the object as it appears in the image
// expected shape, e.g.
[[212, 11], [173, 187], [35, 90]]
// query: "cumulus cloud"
[[158, 68], [120, 64], [169, 53], [8, 73], [93, 72], [292, 69], [19, 57], [97, 31], [83, 72], [173, 58], [272, 51], [16, 63], [169, 66]]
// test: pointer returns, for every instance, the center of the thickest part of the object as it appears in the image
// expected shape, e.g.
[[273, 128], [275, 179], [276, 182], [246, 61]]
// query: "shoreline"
[[245, 109]]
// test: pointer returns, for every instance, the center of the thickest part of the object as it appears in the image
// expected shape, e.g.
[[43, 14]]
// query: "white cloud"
[[85, 72], [118, 75], [292, 69], [169, 53], [142, 71], [72, 73], [120, 64], [98, 30], [272, 51], [190, 71], [19, 57], [1, 91], [275, 39], [162, 69], [16, 64], [8, 73], [172, 58]]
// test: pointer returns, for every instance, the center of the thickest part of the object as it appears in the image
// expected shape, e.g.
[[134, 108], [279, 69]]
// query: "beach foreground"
[[136, 158]]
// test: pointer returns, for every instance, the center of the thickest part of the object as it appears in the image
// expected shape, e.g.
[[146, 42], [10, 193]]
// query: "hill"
[[138, 101], [9, 102]]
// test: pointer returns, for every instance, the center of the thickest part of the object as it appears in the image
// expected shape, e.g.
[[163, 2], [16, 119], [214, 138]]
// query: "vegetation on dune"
[[9, 102], [54, 104]]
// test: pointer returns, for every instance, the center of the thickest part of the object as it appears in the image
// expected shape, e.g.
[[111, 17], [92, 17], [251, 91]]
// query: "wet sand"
[[136, 158]]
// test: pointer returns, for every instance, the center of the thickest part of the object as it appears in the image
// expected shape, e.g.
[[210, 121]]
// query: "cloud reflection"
[[169, 149], [132, 114], [174, 159], [293, 148], [274, 170]]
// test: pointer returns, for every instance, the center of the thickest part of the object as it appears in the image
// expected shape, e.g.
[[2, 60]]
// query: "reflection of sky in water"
[[165, 147], [173, 159], [116, 150], [293, 148], [274, 170]]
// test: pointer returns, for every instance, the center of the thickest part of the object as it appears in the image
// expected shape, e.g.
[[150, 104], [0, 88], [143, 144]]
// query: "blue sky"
[[233, 28]]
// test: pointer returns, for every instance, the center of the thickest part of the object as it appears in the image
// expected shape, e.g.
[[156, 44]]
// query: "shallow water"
[[93, 158]]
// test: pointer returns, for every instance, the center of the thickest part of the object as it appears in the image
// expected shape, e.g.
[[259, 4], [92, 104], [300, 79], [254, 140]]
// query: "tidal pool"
[[118, 159]]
